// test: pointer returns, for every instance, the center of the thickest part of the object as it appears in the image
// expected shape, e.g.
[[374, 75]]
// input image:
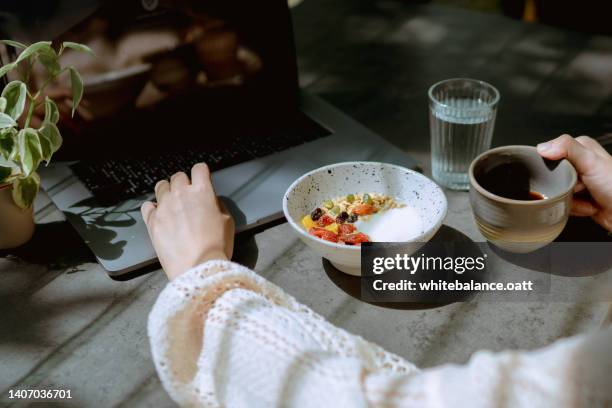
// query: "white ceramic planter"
[[16, 224]]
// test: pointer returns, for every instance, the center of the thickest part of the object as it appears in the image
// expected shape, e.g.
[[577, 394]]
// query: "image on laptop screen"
[[167, 73]]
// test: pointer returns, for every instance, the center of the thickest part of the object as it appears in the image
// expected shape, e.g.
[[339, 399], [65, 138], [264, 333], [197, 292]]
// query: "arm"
[[223, 336]]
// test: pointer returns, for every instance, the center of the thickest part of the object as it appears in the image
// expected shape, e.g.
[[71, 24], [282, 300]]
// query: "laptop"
[[173, 84]]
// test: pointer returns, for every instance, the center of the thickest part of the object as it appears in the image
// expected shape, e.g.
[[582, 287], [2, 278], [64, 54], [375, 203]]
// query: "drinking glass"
[[461, 120]]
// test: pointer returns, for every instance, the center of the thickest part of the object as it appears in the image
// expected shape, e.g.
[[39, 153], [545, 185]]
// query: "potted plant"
[[22, 147]]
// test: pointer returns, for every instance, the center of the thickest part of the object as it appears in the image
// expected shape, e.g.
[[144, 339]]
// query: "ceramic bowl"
[[506, 189], [408, 186]]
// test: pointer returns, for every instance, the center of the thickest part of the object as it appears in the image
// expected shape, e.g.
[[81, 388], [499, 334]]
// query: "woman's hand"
[[188, 225], [594, 166]]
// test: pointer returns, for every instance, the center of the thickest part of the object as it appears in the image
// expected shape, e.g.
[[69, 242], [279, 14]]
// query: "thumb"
[[147, 209], [566, 147]]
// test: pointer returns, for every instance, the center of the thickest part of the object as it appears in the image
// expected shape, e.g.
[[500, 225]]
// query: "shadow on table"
[[55, 245], [26, 318], [582, 249], [352, 285], [246, 251]]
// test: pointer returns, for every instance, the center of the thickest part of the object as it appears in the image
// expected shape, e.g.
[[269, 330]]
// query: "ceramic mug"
[[521, 202]]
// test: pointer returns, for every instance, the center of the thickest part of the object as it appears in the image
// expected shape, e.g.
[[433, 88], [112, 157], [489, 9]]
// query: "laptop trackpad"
[[254, 191]]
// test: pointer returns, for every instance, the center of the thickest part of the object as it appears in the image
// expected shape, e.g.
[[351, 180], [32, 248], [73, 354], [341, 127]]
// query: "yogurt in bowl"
[[393, 225], [405, 207]]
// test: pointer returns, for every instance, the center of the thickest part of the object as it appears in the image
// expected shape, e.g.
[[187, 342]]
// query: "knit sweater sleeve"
[[223, 336]]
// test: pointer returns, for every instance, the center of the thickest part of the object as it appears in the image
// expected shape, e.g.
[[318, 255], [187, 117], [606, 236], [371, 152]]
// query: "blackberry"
[[316, 214], [342, 217]]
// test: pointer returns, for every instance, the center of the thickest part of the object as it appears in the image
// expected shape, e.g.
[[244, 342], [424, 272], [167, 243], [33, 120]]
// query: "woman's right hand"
[[594, 167], [188, 225]]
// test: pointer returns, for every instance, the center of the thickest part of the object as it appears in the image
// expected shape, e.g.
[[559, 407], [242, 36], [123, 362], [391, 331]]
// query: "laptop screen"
[[166, 72]]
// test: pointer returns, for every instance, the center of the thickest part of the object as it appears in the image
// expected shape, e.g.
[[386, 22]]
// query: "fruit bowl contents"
[[420, 206], [337, 220]]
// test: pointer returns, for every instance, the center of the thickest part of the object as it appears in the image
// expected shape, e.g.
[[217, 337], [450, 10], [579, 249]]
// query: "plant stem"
[[30, 112], [38, 94], [30, 63], [13, 177]]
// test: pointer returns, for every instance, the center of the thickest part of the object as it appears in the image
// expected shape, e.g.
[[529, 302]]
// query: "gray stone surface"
[[85, 332], [69, 326]]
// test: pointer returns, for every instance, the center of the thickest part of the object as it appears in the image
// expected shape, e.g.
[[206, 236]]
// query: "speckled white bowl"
[[335, 180]]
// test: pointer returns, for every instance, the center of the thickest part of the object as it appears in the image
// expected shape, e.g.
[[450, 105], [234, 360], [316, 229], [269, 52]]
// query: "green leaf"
[[51, 112], [50, 60], [44, 46], [5, 172], [45, 146], [2, 104], [8, 151], [13, 43], [50, 140], [77, 88], [6, 121], [25, 190], [8, 163], [77, 47], [7, 142], [7, 68], [15, 93], [30, 150]]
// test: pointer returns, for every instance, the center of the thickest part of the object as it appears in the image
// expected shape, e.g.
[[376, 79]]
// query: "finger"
[[58, 92], [222, 207], [178, 180], [66, 104], [40, 110], [591, 144], [85, 114], [583, 208], [147, 210], [579, 187], [161, 189], [200, 174], [567, 147], [81, 109], [35, 122], [65, 107], [604, 220]]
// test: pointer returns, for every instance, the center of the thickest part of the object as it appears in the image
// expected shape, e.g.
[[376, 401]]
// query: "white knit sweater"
[[223, 336]]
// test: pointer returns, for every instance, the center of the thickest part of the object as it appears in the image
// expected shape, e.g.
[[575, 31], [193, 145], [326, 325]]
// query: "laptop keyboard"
[[115, 180]]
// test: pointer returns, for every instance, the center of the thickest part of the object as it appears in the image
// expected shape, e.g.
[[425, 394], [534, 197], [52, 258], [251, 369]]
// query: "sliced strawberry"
[[325, 220], [355, 239], [345, 229], [363, 209], [323, 234]]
